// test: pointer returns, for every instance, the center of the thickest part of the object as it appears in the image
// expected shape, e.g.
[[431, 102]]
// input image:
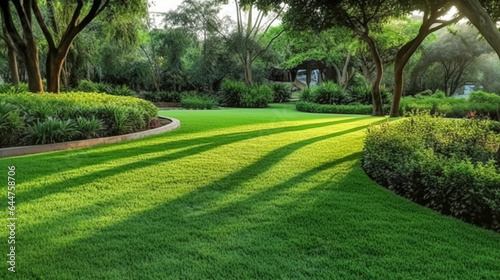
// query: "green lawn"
[[232, 194]]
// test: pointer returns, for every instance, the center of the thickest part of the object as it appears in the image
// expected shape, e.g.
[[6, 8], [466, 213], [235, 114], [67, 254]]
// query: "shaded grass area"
[[234, 193]]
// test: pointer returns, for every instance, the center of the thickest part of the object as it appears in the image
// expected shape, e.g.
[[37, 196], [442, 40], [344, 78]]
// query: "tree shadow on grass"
[[204, 144], [168, 217]]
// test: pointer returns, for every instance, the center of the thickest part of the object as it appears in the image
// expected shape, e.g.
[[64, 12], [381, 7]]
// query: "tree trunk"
[[248, 70], [11, 53], [403, 56], [376, 96], [31, 61], [478, 16], [54, 65]]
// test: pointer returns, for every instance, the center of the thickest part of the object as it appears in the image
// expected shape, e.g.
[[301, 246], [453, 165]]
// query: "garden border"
[[36, 149]]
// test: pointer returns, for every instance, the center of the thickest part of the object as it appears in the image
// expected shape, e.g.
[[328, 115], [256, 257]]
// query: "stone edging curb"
[[28, 150]]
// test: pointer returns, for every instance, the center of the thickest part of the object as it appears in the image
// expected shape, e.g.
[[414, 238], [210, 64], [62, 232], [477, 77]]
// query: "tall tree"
[[483, 14], [454, 50], [433, 11], [24, 40], [83, 13], [358, 15], [245, 40], [11, 56]]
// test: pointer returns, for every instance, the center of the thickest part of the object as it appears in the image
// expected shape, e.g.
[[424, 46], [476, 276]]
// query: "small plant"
[[282, 92], [88, 127], [122, 91], [87, 86]]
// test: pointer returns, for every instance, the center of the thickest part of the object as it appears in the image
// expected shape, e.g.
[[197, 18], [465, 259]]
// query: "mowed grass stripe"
[[234, 193]]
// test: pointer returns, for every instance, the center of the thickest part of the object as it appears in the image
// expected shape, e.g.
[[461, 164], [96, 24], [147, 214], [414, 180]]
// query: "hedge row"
[[449, 165], [311, 107], [28, 118], [480, 104]]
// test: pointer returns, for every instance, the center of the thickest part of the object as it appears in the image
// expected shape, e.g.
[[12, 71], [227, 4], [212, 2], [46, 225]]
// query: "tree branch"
[[43, 26], [268, 45]]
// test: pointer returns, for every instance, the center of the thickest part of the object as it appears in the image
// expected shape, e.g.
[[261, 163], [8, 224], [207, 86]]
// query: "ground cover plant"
[[452, 166], [29, 119], [233, 193]]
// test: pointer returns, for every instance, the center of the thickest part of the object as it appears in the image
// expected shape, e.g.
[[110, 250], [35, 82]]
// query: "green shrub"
[[282, 92], [48, 118], [88, 127], [481, 104], [9, 88], [193, 100], [232, 93], [361, 93], [311, 107], [122, 91], [87, 86], [162, 96], [326, 93], [451, 166], [257, 97], [238, 94]]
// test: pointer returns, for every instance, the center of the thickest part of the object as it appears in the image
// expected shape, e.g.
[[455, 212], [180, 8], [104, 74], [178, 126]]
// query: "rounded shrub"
[[49, 118], [449, 165]]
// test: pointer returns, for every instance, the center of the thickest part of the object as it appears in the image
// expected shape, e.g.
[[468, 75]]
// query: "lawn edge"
[[36, 149]]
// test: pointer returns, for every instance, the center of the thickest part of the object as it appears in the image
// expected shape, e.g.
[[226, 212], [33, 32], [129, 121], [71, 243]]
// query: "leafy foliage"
[[448, 165], [50, 118], [282, 92], [194, 100], [239, 94]]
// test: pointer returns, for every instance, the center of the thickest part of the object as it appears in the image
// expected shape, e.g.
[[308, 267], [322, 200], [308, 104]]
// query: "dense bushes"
[[327, 93], [89, 86], [194, 100], [480, 104], [163, 96], [311, 107], [282, 92], [451, 166], [49, 118], [326, 99], [238, 94]]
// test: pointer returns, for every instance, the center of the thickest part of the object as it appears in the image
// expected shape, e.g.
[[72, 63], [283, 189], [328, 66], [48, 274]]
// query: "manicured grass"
[[234, 193]]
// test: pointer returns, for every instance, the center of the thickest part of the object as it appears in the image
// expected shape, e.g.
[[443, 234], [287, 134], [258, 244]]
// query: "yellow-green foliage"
[[29, 118]]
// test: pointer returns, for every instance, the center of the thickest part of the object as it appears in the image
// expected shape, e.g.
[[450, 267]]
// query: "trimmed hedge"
[[29, 118], [451, 166], [311, 107], [479, 103], [193, 100]]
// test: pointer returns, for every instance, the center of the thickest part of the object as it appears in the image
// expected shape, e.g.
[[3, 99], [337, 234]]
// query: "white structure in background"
[[465, 90], [302, 77]]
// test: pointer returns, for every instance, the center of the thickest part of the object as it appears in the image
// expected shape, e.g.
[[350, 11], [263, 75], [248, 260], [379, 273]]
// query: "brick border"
[[36, 149]]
